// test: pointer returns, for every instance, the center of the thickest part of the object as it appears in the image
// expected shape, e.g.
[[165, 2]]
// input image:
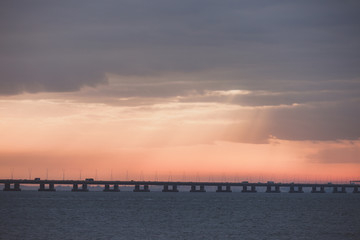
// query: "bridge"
[[173, 186]]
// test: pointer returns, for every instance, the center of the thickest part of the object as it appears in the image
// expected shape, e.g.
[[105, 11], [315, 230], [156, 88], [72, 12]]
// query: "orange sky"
[[167, 139]]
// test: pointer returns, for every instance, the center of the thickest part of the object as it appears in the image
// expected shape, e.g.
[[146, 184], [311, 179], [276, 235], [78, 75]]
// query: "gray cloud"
[[283, 52], [317, 121], [61, 46]]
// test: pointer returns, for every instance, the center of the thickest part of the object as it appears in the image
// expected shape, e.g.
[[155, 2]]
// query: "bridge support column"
[[221, 189], [44, 189], [315, 189], [139, 189], [77, 189], [9, 188], [356, 189], [296, 189], [339, 190], [251, 190], [172, 189], [273, 189], [114, 189], [195, 189]]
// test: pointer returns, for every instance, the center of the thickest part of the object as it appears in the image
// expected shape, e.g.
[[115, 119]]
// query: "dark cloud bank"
[[60, 46], [309, 51]]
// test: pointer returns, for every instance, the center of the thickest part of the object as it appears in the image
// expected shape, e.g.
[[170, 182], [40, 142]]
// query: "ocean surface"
[[183, 215]]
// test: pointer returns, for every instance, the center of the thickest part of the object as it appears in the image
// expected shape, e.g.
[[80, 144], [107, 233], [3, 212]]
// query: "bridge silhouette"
[[173, 186]]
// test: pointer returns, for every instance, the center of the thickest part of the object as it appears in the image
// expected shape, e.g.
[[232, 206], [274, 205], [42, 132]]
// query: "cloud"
[[289, 68], [317, 121], [61, 47]]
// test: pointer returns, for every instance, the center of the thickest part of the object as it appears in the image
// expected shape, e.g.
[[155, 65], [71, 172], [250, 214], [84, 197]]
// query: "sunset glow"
[[156, 98], [58, 134]]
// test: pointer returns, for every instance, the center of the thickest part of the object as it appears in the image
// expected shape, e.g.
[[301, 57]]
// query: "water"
[[183, 215]]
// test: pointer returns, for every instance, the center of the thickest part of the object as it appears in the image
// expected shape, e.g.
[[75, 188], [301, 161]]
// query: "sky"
[[180, 90]]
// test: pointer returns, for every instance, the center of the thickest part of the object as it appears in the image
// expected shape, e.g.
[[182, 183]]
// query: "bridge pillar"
[[17, 187], [195, 189], [221, 189], [9, 188], [44, 189], [339, 190], [82, 189], [273, 189], [356, 189], [314, 189], [296, 189], [251, 190], [172, 189], [139, 189], [114, 189]]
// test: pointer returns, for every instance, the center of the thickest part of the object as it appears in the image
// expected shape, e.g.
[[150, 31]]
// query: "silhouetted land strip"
[[143, 186]]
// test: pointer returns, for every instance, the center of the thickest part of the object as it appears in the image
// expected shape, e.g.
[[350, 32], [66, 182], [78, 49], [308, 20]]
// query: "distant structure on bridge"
[[144, 186]]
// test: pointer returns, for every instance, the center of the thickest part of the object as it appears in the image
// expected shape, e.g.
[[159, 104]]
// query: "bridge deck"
[[178, 183]]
